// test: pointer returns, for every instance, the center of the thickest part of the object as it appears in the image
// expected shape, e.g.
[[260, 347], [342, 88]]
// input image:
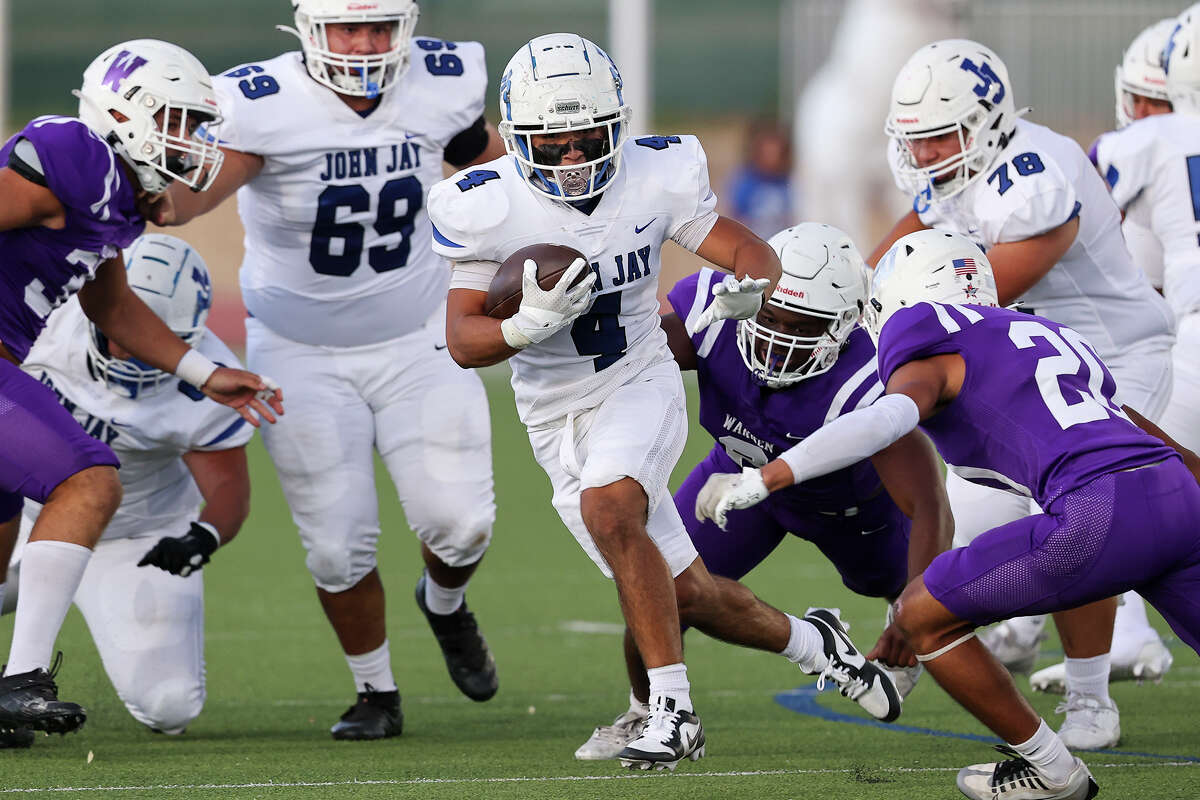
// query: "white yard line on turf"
[[544, 779]]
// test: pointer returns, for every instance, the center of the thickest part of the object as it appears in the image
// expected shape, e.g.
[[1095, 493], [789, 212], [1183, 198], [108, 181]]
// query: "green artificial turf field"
[[277, 681]]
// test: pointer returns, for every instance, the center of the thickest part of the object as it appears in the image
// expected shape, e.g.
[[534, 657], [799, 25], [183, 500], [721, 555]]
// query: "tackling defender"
[[1033, 201], [76, 192], [177, 448], [766, 383], [331, 151], [594, 380], [1015, 401]]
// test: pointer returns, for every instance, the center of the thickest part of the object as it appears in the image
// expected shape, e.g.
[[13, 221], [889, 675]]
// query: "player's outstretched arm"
[[1019, 265], [474, 338], [125, 319], [27, 204], [909, 223], [179, 204], [1190, 459], [224, 481], [678, 340], [755, 267]]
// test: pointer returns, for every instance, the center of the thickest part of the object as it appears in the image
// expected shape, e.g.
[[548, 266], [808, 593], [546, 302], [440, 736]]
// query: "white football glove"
[[544, 312], [732, 299], [726, 491]]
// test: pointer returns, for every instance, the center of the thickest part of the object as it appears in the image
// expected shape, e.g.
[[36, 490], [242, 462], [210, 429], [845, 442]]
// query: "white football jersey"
[[148, 434], [1153, 169], [489, 212], [337, 233], [1037, 183]]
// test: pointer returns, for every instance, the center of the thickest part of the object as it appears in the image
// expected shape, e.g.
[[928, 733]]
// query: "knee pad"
[[459, 543], [169, 706], [336, 567]]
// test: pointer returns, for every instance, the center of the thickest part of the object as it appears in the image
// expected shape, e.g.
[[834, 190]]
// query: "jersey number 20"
[[336, 247]]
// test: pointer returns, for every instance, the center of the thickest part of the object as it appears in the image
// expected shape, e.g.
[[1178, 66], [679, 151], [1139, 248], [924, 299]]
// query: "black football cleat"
[[18, 739], [468, 659], [29, 700], [376, 715]]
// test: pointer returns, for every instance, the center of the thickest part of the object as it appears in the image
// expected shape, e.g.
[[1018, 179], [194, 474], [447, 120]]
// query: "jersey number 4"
[[599, 332], [336, 247]]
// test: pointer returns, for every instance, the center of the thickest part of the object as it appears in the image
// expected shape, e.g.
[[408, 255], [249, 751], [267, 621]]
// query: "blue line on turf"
[[803, 700]]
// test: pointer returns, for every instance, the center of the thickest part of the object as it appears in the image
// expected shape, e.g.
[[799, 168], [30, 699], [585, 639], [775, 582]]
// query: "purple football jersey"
[[754, 424], [39, 267], [1036, 414]]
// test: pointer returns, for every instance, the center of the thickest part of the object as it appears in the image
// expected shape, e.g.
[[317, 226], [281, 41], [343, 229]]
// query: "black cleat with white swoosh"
[[668, 736], [864, 682]]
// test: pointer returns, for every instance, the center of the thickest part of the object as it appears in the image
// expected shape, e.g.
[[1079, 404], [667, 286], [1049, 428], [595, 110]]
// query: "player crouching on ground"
[[177, 450], [1121, 506], [766, 383]]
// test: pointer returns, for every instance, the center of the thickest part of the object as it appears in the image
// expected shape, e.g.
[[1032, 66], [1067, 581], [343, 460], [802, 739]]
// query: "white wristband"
[[208, 526], [513, 336], [195, 368]]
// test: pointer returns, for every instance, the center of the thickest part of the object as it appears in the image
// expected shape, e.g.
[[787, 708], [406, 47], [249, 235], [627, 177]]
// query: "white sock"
[[1048, 753], [439, 599], [637, 706], [805, 646], [671, 681], [1088, 675], [374, 668], [50, 574]]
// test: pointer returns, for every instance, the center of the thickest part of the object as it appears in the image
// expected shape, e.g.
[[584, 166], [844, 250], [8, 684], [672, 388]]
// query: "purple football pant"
[[1136, 529], [869, 549], [41, 444]]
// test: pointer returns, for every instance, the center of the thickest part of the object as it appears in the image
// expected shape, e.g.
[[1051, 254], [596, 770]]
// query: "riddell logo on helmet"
[[787, 291], [907, 120], [362, 6]]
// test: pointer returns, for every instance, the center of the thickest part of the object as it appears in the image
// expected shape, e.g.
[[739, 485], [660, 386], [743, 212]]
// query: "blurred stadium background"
[[715, 65]]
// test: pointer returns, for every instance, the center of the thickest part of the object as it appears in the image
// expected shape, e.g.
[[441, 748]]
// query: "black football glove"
[[183, 555]]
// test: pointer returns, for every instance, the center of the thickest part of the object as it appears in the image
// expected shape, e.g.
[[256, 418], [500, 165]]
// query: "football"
[[504, 294]]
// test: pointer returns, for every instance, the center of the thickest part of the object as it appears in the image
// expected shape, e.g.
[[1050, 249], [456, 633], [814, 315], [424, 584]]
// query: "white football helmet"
[[358, 75], [172, 279], [166, 97], [929, 265], [1141, 70], [951, 86], [823, 276], [1181, 62], [557, 83]]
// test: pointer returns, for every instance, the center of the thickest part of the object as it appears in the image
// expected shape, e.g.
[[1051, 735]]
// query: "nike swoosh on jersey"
[[636, 229], [440, 347], [793, 437]]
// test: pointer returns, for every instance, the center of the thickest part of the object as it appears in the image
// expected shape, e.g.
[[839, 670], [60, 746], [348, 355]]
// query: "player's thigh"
[[322, 447], [750, 536], [435, 438], [869, 548], [41, 444], [638, 432], [1143, 373], [978, 509], [148, 626], [663, 525], [1181, 420]]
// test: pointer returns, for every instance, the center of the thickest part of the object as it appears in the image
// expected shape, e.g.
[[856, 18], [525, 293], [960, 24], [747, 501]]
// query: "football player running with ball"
[[594, 379], [331, 151], [1030, 198], [177, 448], [75, 192], [1121, 500], [766, 383]]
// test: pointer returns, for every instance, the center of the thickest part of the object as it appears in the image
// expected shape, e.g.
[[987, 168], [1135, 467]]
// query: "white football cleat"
[[1092, 723], [864, 682], [1016, 642], [667, 737], [1152, 661], [1017, 779], [607, 741]]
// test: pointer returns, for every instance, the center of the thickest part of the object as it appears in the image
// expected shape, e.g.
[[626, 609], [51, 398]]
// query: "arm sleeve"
[[852, 438], [466, 146], [695, 211], [475, 275], [24, 161]]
